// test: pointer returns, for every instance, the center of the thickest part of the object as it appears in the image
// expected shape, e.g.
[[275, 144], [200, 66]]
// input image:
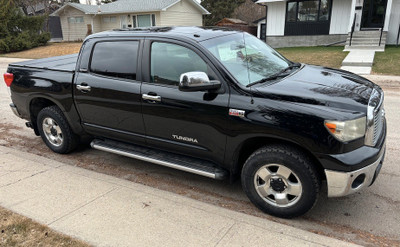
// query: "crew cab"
[[214, 102]]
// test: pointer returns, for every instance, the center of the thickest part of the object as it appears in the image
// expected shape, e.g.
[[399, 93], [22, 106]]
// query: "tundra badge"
[[183, 138]]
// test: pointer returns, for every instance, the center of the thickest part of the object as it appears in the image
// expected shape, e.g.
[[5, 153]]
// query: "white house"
[[321, 22], [79, 20]]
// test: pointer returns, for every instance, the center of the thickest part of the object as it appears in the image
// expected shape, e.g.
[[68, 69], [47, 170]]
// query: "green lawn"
[[388, 62], [325, 56]]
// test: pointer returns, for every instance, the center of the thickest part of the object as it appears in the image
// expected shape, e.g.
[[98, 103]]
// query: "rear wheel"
[[55, 130], [281, 181]]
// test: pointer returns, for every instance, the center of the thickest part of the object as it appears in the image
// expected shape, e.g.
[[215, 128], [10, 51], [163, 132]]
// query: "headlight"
[[347, 130]]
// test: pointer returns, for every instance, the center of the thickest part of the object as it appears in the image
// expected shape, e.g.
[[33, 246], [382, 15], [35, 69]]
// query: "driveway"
[[370, 217]]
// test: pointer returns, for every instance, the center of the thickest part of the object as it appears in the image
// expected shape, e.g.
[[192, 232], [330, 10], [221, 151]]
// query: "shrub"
[[43, 38], [19, 32], [3, 46]]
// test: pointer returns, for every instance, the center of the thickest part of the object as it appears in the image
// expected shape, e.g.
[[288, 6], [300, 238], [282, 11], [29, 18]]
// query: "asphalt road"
[[370, 217]]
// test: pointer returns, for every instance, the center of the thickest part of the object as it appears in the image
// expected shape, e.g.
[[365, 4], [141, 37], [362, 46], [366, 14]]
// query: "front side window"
[[115, 59], [169, 61], [246, 57]]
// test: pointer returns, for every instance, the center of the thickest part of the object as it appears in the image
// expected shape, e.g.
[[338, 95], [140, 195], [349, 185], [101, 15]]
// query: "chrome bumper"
[[15, 110], [345, 183]]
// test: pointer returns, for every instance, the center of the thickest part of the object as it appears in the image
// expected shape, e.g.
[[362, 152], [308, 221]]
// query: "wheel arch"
[[250, 145], [37, 103]]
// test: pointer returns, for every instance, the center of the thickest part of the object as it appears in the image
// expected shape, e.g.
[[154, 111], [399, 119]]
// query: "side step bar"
[[179, 162]]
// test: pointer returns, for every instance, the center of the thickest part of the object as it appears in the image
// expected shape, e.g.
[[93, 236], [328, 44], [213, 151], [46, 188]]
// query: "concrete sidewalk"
[[359, 61], [106, 211]]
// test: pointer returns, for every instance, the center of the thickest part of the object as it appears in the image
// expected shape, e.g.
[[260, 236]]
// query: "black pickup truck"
[[214, 102]]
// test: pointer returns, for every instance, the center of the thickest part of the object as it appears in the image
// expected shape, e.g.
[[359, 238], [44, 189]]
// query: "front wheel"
[[281, 181], [55, 130]]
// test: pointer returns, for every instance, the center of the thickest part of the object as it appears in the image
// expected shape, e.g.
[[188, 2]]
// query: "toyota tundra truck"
[[211, 101]]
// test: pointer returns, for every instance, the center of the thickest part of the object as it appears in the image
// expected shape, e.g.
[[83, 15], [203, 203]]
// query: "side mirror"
[[197, 81]]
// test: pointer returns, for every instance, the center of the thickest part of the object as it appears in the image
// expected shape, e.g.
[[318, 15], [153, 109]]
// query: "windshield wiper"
[[281, 73]]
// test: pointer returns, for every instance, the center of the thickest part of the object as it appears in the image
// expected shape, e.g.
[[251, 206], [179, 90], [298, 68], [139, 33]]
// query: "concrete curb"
[[107, 211]]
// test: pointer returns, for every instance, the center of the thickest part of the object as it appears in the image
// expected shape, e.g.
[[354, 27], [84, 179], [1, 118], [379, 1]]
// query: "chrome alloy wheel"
[[53, 132], [278, 185]]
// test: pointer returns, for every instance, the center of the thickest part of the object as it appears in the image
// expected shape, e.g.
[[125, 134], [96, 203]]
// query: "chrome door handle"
[[151, 98], [83, 88]]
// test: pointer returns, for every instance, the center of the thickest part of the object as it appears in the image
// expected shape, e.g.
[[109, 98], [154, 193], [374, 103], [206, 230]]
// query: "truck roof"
[[197, 34]]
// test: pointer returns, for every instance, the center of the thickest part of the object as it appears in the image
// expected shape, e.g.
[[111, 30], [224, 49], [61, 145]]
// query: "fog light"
[[358, 181]]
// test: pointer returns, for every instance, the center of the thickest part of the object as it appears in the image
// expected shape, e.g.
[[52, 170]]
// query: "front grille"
[[375, 118], [378, 124]]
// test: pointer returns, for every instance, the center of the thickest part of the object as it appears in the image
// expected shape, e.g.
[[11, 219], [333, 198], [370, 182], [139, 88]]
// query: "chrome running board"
[[179, 162]]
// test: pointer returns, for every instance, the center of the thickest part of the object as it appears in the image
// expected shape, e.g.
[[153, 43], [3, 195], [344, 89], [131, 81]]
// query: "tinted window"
[[169, 61], [116, 59]]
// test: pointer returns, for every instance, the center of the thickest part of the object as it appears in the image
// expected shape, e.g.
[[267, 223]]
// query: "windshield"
[[246, 57]]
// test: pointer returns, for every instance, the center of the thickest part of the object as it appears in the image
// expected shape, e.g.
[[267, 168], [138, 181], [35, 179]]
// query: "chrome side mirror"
[[197, 81]]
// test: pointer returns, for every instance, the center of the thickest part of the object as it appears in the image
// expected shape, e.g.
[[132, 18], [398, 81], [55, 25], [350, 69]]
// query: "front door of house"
[[373, 15]]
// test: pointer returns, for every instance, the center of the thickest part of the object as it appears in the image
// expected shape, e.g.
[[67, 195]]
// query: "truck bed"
[[65, 63]]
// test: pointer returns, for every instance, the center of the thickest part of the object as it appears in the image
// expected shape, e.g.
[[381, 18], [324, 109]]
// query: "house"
[[237, 24], [52, 24], [249, 11], [80, 20], [319, 22]]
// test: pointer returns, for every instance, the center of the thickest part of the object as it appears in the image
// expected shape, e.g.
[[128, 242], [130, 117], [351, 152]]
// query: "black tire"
[[65, 140], [280, 196]]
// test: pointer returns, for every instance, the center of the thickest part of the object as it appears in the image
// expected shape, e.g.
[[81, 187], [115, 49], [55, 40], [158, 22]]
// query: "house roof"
[[261, 19], [130, 6], [35, 8]]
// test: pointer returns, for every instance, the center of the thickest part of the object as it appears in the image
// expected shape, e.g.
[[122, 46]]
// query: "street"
[[370, 217]]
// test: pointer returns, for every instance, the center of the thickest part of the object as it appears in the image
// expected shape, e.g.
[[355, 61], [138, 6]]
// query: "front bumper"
[[345, 183]]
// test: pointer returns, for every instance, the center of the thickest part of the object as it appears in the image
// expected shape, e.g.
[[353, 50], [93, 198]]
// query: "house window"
[[144, 20], [76, 19], [109, 19], [324, 10], [308, 17], [308, 11], [292, 11]]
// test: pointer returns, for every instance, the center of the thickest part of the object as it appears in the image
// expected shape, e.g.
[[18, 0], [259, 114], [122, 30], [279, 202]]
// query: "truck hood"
[[321, 86]]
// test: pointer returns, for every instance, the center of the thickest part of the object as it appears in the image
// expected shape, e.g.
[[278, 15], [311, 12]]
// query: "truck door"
[[107, 90], [190, 123]]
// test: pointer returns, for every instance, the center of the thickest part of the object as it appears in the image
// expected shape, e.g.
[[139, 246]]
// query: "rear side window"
[[115, 59]]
